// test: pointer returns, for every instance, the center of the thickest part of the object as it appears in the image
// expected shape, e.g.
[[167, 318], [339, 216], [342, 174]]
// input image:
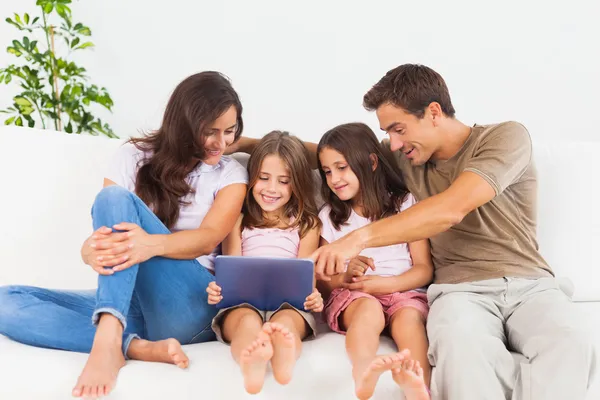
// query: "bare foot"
[[365, 378], [410, 378], [284, 351], [253, 362], [106, 359], [167, 351]]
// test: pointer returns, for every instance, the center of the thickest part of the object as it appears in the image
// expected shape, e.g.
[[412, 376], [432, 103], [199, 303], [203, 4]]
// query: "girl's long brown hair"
[[381, 191], [302, 205], [195, 103]]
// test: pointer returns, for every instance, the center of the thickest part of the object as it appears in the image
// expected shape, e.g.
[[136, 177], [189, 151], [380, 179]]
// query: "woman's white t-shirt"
[[205, 179], [389, 260]]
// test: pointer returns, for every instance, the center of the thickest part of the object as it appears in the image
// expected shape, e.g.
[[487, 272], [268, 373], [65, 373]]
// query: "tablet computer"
[[264, 282]]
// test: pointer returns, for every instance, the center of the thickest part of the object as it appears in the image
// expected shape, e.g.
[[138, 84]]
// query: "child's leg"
[[287, 329], [407, 327], [250, 346], [364, 321]]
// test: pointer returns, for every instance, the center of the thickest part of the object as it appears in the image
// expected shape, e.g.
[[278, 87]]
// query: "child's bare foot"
[[365, 378], [106, 359], [167, 351], [253, 362], [284, 351], [410, 378]]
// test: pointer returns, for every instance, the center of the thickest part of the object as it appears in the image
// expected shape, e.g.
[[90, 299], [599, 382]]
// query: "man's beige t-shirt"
[[497, 239]]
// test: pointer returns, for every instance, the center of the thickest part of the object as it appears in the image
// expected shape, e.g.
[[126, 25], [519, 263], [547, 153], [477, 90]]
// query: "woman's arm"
[[232, 245], [217, 224]]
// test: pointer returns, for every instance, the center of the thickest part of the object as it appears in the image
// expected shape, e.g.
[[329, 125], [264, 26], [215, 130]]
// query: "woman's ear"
[[374, 161]]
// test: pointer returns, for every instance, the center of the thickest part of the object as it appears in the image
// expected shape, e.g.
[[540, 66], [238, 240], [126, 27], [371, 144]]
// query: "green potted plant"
[[55, 90]]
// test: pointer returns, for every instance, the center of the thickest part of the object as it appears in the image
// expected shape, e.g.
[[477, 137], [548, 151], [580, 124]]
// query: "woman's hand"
[[314, 302], [91, 255], [214, 293], [121, 250], [358, 266]]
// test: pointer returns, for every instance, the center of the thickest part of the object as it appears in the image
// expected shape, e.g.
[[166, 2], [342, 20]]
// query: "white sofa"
[[49, 180]]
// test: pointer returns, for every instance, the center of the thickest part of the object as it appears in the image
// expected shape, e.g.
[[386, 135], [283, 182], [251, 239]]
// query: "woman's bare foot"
[[253, 362], [106, 359], [410, 378], [167, 351], [366, 377], [284, 351]]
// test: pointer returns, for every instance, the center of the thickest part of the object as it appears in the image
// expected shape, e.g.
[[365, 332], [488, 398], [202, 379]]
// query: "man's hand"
[[358, 266], [331, 258]]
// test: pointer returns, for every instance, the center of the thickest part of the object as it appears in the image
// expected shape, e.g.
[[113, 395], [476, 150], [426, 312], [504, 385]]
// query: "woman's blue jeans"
[[157, 299]]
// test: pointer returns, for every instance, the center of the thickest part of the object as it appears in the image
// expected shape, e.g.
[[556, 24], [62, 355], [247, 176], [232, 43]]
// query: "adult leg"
[[55, 319], [547, 329], [467, 342], [287, 328], [250, 346], [170, 294]]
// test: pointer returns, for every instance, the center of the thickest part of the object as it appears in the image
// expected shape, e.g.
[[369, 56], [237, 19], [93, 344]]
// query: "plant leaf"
[[75, 42], [10, 21], [48, 8], [10, 120], [26, 18], [18, 19], [85, 31], [35, 20], [69, 128], [85, 45], [19, 121], [22, 101]]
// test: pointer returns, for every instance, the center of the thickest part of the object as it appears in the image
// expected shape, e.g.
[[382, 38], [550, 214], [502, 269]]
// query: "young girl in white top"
[[279, 220], [382, 287]]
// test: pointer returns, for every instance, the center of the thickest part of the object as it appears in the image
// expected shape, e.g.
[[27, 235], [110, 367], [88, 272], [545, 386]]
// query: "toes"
[[77, 391]]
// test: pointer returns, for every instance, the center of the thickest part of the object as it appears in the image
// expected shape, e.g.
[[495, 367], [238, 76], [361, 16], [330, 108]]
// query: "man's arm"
[[431, 216], [425, 219]]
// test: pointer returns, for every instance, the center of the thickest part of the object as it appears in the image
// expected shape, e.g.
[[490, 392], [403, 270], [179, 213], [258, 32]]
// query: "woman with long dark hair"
[[169, 200]]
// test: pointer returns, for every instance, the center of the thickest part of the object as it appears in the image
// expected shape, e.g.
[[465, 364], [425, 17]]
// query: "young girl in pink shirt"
[[279, 220], [383, 287]]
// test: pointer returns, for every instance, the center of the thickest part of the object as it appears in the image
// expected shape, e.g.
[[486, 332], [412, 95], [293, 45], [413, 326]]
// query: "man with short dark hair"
[[477, 192]]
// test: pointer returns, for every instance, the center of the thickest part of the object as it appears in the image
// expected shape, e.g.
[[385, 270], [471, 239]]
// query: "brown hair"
[[302, 205], [382, 190], [195, 103], [411, 87]]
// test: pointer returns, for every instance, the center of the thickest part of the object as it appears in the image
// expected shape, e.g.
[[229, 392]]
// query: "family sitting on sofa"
[[428, 236]]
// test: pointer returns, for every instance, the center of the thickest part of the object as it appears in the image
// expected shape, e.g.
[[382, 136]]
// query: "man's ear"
[[374, 161]]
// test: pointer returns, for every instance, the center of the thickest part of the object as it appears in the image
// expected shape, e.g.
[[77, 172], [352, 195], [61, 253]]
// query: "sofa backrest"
[[50, 179]]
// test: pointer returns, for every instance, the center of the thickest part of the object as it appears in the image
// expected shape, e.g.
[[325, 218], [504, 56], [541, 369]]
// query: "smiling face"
[[219, 135], [340, 178], [273, 188], [415, 137]]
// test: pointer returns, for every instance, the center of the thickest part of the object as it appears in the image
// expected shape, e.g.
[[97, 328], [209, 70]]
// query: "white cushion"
[[49, 182]]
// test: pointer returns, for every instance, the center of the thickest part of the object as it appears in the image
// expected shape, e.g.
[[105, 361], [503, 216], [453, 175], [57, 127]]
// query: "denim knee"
[[113, 195]]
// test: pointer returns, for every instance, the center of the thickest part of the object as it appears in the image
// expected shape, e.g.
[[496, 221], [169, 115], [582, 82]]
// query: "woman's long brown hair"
[[302, 205], [195, 103], [382, 190]]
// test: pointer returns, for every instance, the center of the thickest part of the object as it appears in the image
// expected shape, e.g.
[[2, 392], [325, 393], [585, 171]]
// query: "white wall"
[[304, 66]]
